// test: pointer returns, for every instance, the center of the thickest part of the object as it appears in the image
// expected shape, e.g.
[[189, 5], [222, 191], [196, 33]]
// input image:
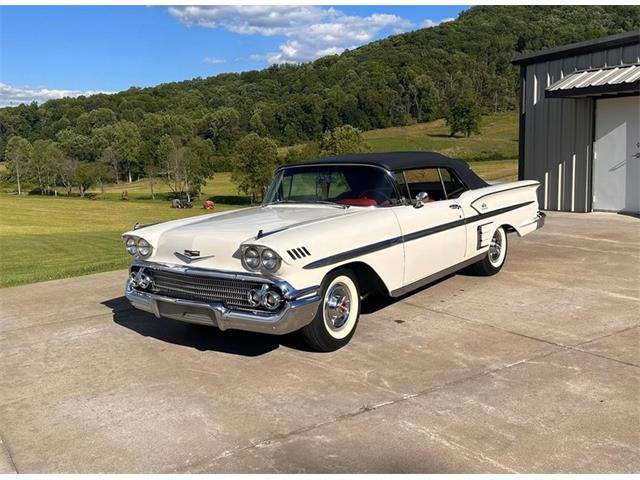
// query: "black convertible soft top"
[[405, 161]]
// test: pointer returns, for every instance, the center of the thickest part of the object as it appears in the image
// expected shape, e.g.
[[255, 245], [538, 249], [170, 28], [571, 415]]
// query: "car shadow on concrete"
[[206, 338], [375, 303], [200, 337]]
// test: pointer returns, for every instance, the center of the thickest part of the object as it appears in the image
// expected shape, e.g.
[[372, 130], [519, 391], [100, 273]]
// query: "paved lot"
[[534, 370]]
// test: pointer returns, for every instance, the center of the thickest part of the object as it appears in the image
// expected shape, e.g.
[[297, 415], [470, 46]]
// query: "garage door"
[[616, 155]]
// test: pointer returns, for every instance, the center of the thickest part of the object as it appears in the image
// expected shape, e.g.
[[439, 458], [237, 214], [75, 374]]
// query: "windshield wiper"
[[277, 202], [329, 202], [322, 202]]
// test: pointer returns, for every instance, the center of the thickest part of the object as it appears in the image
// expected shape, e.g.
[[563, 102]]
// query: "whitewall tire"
[[338, 313], [496, 255], [498, 248]]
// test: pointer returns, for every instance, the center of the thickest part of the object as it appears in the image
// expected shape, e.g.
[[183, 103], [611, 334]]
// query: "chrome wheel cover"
[[495, 248], [337, 306]]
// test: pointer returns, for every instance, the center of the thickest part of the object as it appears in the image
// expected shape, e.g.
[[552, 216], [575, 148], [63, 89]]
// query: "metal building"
[[580, 124]]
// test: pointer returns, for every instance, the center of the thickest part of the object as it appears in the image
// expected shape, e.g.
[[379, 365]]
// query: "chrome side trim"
[[433, 230], [501, 191], [499, 211], [436, 276], [374, 247], [356, 252]]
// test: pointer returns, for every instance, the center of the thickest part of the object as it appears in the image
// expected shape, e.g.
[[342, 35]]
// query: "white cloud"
[[213, 61], [11, 96], [310, 31], [428, 23]]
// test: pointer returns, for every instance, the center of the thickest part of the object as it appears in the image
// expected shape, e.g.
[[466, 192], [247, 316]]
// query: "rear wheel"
[[338, 314], [496, 255]]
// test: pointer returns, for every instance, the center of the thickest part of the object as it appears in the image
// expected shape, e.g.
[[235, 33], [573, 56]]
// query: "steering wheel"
[[377, 195]]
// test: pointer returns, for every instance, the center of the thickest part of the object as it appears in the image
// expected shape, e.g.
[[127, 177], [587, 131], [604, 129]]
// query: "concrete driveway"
[[534, 370]]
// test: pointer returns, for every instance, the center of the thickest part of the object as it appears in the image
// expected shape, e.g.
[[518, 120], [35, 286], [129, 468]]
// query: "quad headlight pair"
[[138, 247], [140, 279], [267, 297], [260, 258]]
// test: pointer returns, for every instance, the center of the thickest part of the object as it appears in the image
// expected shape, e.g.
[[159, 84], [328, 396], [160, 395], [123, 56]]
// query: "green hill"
[[392, 82]]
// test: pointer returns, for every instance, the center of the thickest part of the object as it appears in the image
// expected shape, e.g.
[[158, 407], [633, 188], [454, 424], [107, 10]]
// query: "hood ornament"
[[191, 256]]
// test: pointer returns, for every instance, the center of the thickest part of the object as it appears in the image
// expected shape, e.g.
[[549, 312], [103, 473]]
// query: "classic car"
[[328, 233]]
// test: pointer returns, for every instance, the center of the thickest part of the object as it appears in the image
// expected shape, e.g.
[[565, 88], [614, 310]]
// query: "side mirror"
[[421, 199]]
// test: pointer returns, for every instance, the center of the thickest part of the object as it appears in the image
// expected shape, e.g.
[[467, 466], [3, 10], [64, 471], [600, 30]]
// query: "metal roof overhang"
[[581, 48], [620, 79]]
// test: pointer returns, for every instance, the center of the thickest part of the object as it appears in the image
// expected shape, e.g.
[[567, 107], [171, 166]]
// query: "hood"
[[218, 237]]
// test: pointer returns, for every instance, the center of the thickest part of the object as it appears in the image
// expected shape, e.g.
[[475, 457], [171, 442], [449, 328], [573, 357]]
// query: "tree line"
[[184, 164], [181, 130]]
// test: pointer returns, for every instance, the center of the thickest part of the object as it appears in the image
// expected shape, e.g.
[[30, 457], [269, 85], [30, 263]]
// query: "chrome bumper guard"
[[537, 222], [299, 308]]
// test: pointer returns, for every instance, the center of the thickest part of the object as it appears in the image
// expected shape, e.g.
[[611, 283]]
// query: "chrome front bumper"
[[298, 310]]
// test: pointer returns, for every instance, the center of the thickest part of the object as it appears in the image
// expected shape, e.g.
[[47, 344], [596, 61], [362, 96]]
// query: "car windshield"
[[348, 185]]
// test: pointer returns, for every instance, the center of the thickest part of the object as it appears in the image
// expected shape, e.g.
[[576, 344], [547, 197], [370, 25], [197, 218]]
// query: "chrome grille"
[[232, 293]]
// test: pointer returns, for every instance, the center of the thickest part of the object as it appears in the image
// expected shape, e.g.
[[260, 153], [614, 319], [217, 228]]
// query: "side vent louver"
[[297, 253]]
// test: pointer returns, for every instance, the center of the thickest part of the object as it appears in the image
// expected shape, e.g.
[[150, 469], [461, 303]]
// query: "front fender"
[[369, 235]]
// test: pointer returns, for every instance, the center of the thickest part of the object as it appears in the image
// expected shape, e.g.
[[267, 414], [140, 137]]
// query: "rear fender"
[[511, 205], [496, 197]]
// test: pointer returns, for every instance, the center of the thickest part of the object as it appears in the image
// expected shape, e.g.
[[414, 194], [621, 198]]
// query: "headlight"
[[270, 260], [138, 247], [132, 246], [144, 249], [252, 258], [260, 258]]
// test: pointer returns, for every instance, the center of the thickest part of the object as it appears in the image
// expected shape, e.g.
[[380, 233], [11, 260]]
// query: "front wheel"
[[338, 313], [496, 255]]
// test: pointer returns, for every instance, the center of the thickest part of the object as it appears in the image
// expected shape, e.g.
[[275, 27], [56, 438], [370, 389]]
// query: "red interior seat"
[[358, 202]]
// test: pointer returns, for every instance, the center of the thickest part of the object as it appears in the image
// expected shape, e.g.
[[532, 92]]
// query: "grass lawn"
[[498, 139], [220, 188], [493, 154], [44, 238], [496, 170]]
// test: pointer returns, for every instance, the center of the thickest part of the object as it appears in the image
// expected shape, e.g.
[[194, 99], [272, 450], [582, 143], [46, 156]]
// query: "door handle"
[[455, 206]]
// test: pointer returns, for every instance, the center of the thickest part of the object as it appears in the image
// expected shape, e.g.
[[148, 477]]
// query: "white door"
[[434, 238], [616, 155]]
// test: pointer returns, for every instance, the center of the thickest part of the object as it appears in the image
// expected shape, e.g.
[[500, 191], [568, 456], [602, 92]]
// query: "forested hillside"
[[399, 80]]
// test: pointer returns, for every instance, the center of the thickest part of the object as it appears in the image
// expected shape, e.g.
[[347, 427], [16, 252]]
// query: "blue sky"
[[48, 52]]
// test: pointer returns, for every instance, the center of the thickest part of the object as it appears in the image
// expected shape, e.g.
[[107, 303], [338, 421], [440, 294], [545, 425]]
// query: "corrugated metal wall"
[[558, 133]]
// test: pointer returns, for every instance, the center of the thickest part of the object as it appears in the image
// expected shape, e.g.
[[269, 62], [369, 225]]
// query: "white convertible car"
[[327, 234]]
